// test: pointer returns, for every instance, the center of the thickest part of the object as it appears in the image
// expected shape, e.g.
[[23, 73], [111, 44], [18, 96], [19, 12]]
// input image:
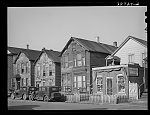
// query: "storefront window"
[[99, 83], [121, 83]]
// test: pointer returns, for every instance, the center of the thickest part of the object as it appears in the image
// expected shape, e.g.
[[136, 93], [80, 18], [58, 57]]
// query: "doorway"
[[109, 85]]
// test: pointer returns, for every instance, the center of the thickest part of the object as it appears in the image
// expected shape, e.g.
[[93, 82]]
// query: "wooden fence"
[[96, 98]]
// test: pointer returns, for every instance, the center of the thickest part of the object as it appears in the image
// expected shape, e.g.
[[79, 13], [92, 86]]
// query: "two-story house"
[[77, 59], [12, 53], [47, 68], [131, 51], [24, 75]]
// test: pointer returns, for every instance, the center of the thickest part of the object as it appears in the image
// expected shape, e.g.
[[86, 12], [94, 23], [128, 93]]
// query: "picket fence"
[[96, 98]]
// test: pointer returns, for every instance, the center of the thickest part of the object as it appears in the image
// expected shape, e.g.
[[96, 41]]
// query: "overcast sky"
[[52, 27]]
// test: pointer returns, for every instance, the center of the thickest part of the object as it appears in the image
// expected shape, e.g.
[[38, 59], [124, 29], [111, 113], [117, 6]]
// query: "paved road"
[[39, 105]]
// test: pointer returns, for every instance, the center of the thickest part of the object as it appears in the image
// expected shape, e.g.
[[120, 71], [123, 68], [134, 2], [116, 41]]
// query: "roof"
[[14, 50], [54, 55], [92, 46], [31, 54], [140, 41]]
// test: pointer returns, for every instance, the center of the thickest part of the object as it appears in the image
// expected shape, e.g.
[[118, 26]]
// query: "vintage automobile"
[[49, 93], [25, 92]]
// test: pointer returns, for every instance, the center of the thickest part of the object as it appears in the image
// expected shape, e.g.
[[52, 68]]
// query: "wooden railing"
[[96, 98]]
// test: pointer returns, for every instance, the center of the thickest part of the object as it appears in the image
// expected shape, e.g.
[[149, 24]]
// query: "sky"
[[52, 27]]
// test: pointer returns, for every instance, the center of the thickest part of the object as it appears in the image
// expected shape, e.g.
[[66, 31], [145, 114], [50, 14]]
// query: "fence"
[[96, 98]]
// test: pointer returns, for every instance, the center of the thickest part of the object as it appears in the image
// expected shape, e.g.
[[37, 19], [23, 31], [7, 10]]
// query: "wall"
[[44, 59], [112, 74], [9, 70], [131, 47], [23, 59], [57, 74]]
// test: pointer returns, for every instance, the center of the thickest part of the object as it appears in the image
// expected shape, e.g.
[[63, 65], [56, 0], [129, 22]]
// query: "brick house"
[[24, 67], [47, 68], [12, 53], [77, 59]]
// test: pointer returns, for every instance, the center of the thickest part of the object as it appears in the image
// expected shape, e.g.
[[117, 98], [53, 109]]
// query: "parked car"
[[9, 92], [49, 93], [26, 92]]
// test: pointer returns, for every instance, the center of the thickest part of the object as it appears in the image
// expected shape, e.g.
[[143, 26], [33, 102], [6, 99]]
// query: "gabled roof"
[[54, 55], [92, 46], [140, 41], [31, 54], [14, 50]]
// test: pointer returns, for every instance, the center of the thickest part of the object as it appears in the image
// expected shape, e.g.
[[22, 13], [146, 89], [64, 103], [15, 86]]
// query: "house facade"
[[131, 51], [12, 53], [47, 69], [24, 68], [77, 59]]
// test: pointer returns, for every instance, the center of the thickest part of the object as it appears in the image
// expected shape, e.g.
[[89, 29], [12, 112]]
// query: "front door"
[[109, 85]]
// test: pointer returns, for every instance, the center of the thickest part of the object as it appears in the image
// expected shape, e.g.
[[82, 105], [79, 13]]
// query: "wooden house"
[[77, 59], [24, 67], [47, 68], [118, 80], [131, 51]]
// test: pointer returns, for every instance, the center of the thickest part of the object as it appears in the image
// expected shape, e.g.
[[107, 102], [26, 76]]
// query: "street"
[[40, 105]]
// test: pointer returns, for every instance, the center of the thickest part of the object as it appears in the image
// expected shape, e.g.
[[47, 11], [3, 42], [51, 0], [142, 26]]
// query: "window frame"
[[100, 84], [131, 58], [119, 92]]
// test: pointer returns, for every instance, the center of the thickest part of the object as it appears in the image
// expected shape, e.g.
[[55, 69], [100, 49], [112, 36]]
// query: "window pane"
[[79, 63], [83, 78], [74, 78], [79, 78], [79, 84], [84, 84], [78, 56]]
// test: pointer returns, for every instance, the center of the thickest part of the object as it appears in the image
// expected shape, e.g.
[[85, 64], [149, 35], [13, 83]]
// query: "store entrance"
[[109, 85]]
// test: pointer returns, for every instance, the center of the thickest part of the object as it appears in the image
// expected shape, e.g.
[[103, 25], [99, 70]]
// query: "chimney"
[[98, 38], [115, 44], [27, 46]]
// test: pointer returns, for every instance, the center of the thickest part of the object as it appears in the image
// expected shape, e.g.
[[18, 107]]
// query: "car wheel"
[[12, 96], [30, 97], [24, 96], [46, 98]]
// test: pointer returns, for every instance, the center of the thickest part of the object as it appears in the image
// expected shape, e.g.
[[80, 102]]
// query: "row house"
[[78, 58], [131, 51], [47, 68], [24, 68], [12, 53]]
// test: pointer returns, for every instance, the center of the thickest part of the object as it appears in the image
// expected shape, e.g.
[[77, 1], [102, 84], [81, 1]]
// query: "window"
[[66, 82], [75, 61], [26, 81], [80, 83], [83, 59], [43, 83], [70, 61], [18, 68], [22, 67], [50, 72], [44, 70], [75, 82], [121, 83], [131, 58], [99, 83], [66, 61], [27, 67], [79, 59], [38, 71], [143, 62]]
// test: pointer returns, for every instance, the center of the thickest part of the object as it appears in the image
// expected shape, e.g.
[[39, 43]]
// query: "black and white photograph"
[[77, 58]]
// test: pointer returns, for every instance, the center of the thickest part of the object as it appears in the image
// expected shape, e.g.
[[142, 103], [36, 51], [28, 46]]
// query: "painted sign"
[[133, 91], [133, 71]]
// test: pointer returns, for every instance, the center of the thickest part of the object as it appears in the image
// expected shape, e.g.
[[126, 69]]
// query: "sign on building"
[[133, 90], [133, 71]]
